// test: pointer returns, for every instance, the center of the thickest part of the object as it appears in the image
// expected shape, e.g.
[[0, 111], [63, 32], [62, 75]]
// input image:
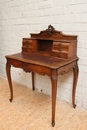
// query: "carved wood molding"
[[54, 75], [50, 29], [25, 70]]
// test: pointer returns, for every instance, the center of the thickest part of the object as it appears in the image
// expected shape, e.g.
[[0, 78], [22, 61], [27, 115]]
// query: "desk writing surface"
[[37, 59]]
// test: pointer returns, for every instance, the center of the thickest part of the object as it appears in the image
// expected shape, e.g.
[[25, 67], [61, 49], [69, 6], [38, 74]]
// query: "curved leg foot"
[[9, 80], [53, 124], [75, 72], [74, 105], [10, 100]]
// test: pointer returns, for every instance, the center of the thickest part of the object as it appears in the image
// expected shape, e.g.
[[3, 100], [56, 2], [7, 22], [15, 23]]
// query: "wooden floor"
[[31, 110]]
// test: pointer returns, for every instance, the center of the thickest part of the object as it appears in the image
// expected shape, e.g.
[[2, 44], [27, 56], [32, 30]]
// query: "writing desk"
[[49, 53]]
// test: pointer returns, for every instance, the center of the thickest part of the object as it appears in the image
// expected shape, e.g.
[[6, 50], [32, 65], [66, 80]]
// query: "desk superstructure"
[[49, 53]]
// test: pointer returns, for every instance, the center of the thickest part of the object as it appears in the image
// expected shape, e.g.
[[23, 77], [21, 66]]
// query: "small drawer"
[[24, 49], [59, 46], [60, 55], [28, 42]]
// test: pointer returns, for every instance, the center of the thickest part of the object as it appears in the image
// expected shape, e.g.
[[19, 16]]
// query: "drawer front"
[[24, 49], [60, 55], [59, 46], [30, 67], [27, 45]]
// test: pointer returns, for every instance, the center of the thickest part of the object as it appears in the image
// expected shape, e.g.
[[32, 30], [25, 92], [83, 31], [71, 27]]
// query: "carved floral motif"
[[50, 29]]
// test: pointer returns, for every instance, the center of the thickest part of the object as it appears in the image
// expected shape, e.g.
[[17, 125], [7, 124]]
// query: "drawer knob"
[[60, 49], [60, 44], [26, 50], [59, 55]]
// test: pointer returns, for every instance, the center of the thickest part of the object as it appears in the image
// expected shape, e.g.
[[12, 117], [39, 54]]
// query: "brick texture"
[[19, 18]]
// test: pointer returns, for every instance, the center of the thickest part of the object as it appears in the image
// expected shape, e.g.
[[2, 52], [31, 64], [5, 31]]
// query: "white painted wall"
[[19, 18]]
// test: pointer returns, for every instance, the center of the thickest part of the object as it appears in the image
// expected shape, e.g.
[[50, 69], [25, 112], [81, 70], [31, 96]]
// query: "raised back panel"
[[53, 34]]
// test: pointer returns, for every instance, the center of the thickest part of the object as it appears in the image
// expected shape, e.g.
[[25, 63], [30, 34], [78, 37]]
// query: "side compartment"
[[29, 45], [64, 50]]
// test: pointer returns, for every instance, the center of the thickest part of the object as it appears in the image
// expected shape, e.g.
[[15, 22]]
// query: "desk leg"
[[8, 67], [33, 87], [54, 91], [75, 78]]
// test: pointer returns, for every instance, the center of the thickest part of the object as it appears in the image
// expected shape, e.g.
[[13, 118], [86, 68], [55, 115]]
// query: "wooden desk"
[[48, 53]]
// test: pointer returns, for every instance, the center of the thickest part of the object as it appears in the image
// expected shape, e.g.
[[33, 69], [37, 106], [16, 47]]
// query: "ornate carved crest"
[[50, 30]]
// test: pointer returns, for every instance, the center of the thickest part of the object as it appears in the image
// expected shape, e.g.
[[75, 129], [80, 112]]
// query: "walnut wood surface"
[[49, 53]]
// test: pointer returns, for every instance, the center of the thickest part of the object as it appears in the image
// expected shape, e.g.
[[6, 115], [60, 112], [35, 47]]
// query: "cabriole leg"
[[54, 91], [75, 78], [8, 67]]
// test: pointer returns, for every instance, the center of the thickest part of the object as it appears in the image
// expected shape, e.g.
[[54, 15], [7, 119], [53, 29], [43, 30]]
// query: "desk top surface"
[[40, 60]]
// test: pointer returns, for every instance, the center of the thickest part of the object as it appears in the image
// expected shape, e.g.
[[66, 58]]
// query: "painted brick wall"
[[18, 18]]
